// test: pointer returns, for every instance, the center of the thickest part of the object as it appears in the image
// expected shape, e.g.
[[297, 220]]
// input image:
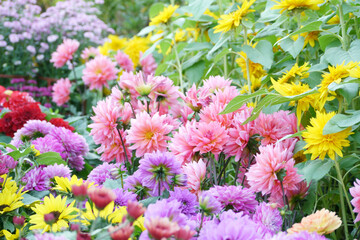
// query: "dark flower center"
[[2, 207]]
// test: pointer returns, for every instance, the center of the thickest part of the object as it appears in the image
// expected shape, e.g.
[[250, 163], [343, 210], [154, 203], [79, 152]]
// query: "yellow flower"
[[164, 15], [296, 71], [108, 213], [35, 151], [105, 49], [134, 47], [297, 4], [61, 211], [10, 199], [310, 37], [115, 43], [355, 72], [256, 71], [12, 236], [335, 74], [334, 20], [233, 19], [322, 221], [180, 35], [292, 89], [318, 144], [211, 14], [63, 184]]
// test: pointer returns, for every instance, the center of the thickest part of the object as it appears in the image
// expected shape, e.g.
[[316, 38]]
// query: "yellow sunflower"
[[355, 72], [134, 47], [233, 19], [12, 236], [294, 73], [310, 38], [318, 144], [10, 197], [63, 184], [164, 15], [62, 212], [297, 4], [108, 213]]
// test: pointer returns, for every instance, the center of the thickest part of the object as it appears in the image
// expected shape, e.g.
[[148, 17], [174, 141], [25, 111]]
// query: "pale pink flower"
[[64, 52], [271, 161], [209, 137], [225, 96], [195, 172], [98, 72], [89, 53], [164, 91], [161, 227], [216, 83], [148, 133], [273, 127], [117, 95], [115, 150], [211, 114], [124, 61], [127, 83], [61, 91], [355, 193], [180, 143], [137, 84], [148, 64], [197, 98]]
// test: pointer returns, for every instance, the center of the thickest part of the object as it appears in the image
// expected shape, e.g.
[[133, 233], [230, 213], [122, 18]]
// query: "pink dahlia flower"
[[195, 172], [211, 114], [89, 53], [124, 61], [209, 137], [355, 193], [64, 52], [98, 72], [137, 84], [216, 83], [197, 98], [225, 96], [164, 91], [148, 64], [61, 91], [263, 176], [115, 150], [148, 133]]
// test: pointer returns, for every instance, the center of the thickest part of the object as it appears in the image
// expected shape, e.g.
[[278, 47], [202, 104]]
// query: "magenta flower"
[[355, 193]]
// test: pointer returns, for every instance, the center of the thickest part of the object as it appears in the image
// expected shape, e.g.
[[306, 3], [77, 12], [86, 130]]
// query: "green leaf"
[[149, 200], [190, 62], [198, 7], [223, 39], [326, 40], [28, 199], [5, 139], [197, 46], [78, 72], [19, 154], [146, 30], [155, 9], [347, 90], [336, 55], [340, 122], [267, 100], [294, 48], [262, 53], [112, 184], [313, 26], [238, 101], [9, 225], [50, 158], [314, 169], [195, 72], [165, 45]]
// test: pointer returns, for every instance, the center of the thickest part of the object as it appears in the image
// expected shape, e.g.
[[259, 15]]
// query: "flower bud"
[[18, 221], [135, 209], [80, 192], [124, 233], [83, 236], [101, 197]]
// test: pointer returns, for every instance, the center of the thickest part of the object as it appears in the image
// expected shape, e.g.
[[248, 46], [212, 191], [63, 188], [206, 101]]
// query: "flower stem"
[[178, 64], [247, 62], [213, 166], [123, 145], [345, 37], [225, 68], [202, 220]]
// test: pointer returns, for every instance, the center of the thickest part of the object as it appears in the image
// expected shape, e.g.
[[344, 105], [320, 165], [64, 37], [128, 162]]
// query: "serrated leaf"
[[340, 122]]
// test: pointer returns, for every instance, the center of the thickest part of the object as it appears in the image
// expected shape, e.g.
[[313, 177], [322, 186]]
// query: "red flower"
[[59, 122], [18, 99], [101, 197]]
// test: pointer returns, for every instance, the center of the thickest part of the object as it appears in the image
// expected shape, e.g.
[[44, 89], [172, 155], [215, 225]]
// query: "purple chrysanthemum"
[[123, 196], [269, 217], [33, 129], [169, 209], [134, 184], [186, 198], [158, 170], [233, 227], [49, 144], [236, 198], [6, 163], [208, 203], [57, 170], [297, 236], [35, 179], [102, 172]]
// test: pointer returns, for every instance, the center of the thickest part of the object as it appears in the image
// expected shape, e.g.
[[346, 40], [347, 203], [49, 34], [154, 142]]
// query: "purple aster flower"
[[134, 184], [188, 200], [57, 170], [297, 236], [236, 198], [123, 196], [230, 228], [169, 209], [35, 179], [9, 162], [102, 172], [269, 217], [33, 129], [49, 144], [158, 170], [208, 203]]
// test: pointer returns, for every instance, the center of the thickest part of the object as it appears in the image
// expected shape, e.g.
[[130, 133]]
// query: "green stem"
[[345, 37], [202, 220], [356, 27], [178, 63], [225, 68], [247, 62]]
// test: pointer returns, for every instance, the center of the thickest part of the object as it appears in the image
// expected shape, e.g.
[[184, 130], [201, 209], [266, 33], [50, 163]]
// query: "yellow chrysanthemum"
[[355, 72], [211, 14], [115, 43], [8, 183], [64, 184], [10, 197], [256, 71], [108, 213], [297, 4], [318, 144], [180, 35], [295, 73], [309, 38], [292, 89], [334, 20], [335, 74], [63, 213], [233, 19], [164, 15], [134, 47]]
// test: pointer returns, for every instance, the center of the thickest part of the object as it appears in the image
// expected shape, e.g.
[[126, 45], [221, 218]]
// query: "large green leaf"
[[262, 53], [347, 90], [78, 73], [314, 169], [198, 7], [50, 158], [313, 26], [336, 55], [293, 47], [342, 121], [195, 72]]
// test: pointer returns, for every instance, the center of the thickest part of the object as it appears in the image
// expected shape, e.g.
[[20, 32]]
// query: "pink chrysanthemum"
[[148, 133], [115, 150], [355, 193], [90, 53], [164, 91], [148, 64], [180, 143], [211, 114], [272, 162], [137, 84], [98, 72], [209, 137], [273, 127], [197, 98], [61, 91], [195, 172], [64, 52], [124, 61], [225, 96], [216, 83]]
